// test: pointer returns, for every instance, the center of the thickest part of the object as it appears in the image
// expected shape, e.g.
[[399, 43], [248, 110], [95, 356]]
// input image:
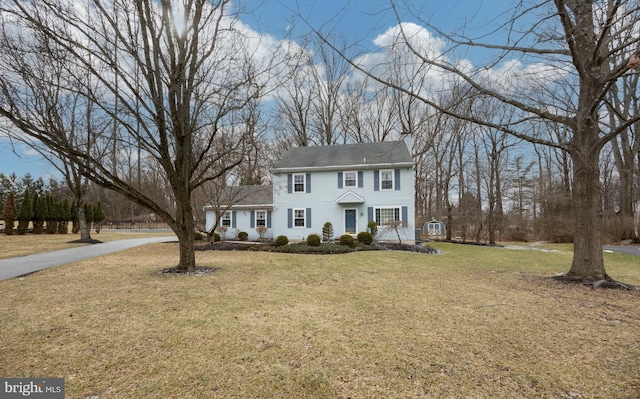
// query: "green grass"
[[473, 322]]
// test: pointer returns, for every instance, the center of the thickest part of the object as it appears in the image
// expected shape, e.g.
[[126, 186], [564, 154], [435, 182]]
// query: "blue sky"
[[355, 21]]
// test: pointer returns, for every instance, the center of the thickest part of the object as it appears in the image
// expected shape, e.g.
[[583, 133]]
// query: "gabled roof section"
[[350, 198], [346, 156], [247, 197]]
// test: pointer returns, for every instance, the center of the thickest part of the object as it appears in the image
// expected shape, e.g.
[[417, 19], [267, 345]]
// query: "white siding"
[[242, 223], [324, 208]]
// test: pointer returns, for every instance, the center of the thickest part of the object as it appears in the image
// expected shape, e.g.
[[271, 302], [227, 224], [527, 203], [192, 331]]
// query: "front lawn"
[[473, 322]]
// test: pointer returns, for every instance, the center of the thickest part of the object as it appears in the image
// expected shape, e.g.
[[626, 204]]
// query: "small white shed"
[[434, 229]]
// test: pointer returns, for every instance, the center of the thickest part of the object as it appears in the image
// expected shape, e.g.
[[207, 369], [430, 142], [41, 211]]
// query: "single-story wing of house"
[[347, 185]]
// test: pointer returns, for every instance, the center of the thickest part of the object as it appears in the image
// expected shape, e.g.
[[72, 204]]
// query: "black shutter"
[[376, 180]]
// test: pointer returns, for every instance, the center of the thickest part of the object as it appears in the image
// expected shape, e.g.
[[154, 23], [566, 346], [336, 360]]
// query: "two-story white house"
[[347, 185]]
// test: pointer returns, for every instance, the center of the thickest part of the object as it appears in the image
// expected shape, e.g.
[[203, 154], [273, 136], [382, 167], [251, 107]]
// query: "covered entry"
[[350, 202]]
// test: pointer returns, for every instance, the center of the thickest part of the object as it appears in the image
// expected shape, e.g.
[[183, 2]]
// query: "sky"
[[357, 22]]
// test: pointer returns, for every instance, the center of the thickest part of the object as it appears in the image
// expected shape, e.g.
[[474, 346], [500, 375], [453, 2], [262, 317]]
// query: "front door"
[[350, 221]]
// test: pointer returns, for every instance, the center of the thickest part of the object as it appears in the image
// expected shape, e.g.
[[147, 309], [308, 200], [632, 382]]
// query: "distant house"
[[347, 185]]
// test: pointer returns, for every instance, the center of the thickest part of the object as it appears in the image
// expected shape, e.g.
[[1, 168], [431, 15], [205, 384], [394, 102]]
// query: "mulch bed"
[[239, 246], [198, 271], [391, 246]]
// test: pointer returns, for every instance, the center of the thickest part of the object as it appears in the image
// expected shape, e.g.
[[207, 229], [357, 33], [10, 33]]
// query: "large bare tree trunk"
[[187, 248], [85, 230], [588, 261]]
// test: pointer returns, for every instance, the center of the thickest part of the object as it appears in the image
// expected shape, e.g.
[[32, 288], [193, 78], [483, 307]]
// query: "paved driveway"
[[625, 249], [14, 267]]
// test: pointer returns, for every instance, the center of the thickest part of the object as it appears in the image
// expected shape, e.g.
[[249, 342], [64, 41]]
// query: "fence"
[[134, 225]]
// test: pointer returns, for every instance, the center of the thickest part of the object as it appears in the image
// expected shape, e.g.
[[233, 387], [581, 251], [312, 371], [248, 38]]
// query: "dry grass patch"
[[471, 323], [21, 245]]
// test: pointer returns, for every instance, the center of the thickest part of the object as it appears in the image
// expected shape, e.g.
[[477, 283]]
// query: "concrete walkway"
[[14, 267]]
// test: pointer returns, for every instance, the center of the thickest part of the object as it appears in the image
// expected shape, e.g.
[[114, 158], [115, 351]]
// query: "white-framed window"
[[299, 217], [225, 220], [350, 179], [385, 216], [261, 218], [386, 179], [299, 183]]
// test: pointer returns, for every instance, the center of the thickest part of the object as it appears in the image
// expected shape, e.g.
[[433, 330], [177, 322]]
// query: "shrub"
[[261, 230], [373, 228], [365, 238], [222, 230], [198, 236], [313, 240], [327, 232], [243, 235], [347, 240], [281, 241], [216, 237]]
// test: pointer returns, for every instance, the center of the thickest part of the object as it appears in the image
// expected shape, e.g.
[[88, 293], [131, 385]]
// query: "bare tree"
[[171, 75], [572, 70], [622, 102]]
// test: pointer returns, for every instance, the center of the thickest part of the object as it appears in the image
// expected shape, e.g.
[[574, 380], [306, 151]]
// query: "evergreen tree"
[[52, 219], [9, 213], [98, 216], [73, 212], [25, 214], [40, 213], [64, 217]]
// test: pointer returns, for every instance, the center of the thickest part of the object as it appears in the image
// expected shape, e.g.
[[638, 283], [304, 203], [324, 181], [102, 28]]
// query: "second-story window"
[[298, 183], [386, 180], [350, 179]]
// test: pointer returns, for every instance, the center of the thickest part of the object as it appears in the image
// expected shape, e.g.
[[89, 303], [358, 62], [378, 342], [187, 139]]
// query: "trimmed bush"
[[347, 240], [373, 228], [313, 240], [216, 237], [365, 238], [243, 235], [327, 232], [281, 241]]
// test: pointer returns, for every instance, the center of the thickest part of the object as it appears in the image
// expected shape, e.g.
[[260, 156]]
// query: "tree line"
[[38, 211]]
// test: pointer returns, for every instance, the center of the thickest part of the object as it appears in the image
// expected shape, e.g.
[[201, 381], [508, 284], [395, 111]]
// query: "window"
[[225, 220], [299, 217], [350, 179], [386, 180], [298, 183], [261, 218], [385, 216]]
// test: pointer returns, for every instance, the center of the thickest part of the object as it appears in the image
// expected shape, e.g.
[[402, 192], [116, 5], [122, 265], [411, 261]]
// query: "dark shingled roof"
[[365, 155], [240, 196]]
